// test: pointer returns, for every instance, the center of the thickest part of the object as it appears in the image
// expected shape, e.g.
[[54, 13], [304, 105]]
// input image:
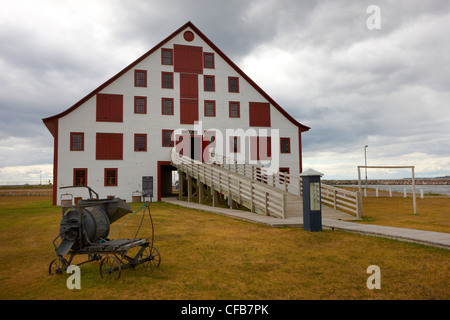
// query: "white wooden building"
[[123, 130]]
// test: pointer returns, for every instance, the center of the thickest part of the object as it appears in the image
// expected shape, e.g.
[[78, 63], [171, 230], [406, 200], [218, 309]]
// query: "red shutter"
[[196, 60], [109, 107], [259, 114], [189, 86], [109, 146], [181, 58], [188, 59], [116, 103], [253, 148], [265, 148]]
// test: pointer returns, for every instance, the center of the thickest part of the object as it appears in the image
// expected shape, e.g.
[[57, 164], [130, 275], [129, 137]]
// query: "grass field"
[[207, 256], [433, 213]]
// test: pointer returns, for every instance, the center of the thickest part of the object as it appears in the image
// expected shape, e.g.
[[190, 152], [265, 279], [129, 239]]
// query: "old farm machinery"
[[85, 230]]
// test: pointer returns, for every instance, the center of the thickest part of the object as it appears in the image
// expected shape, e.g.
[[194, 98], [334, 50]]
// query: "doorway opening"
[[167, 180]]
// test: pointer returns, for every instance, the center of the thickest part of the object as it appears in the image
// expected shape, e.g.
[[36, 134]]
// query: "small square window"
[[233, 84], [167, 138], [80, 177], [140, 142], [209, 60], [210, 108], [166, 57], [285, 145], [111, 177], [284, 170], [77, 141], [140, 78], [140, 105], [167, 106], [209, 84], [234, 111], [167, 80]]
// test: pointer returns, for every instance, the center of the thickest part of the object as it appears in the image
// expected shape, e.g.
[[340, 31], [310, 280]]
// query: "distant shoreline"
[[419, 181]]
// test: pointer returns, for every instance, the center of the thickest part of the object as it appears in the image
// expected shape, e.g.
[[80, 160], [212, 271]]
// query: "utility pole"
[[365, 161]]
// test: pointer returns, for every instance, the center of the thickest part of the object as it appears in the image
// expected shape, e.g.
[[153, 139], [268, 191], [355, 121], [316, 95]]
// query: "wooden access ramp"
[[205, 181]]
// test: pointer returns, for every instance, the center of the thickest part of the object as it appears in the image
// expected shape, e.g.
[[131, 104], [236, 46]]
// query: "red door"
[[188, 86], [188, 59], [188, 111]]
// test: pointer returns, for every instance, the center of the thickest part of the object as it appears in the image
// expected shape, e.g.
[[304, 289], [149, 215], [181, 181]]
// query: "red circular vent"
[[188, 36]]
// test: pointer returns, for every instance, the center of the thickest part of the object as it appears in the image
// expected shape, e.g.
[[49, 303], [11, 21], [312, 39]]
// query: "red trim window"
[[235, 144], [233, 84], [77, 141], [167, 80], [140, 142], [208, 60], [167, 106], [140, 78], [285, 145], [209, 83], [284, 170], [140, 105], [234, 109], [111, 177], [210, 108], [80, 176], [167, 57], [167, 140]]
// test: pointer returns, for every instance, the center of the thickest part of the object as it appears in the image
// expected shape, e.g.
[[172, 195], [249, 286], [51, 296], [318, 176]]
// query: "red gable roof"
[[50, 121]]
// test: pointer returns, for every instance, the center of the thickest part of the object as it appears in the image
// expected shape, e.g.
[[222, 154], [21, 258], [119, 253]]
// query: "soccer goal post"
[[392, 167]]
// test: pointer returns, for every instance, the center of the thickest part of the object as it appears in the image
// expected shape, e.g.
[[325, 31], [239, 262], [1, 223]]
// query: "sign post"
[[147, 188], [312, 207]]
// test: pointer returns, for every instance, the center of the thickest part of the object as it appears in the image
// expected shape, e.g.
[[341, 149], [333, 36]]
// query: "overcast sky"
[[387, 88]]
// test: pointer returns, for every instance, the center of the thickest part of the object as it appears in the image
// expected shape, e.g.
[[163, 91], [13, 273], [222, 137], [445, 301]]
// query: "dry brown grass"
[[207, 256], [433, 213]]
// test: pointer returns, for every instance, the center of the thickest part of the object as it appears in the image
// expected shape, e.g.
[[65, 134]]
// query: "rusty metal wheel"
[[110, 268], [58, 266], [153, 256]]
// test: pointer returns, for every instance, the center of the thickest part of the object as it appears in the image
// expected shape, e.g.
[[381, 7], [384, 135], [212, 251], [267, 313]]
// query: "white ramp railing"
[[337, 198], [248, 192]]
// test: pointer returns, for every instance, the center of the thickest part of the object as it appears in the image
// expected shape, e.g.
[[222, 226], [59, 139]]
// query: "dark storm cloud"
[[353, 86]]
